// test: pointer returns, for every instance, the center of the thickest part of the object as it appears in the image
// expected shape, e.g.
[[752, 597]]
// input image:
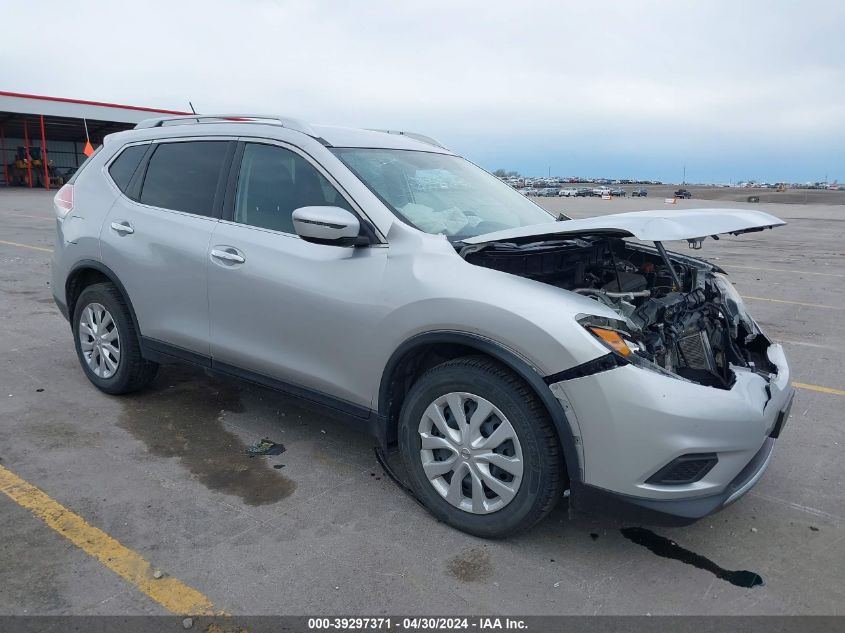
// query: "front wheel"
[[479, 448]]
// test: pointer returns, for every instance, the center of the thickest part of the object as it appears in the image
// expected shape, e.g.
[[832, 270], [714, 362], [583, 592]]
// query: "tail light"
[[63, 202]]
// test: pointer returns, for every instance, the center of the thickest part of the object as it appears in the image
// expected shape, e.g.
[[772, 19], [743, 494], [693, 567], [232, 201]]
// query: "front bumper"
[[671, 512], [631, 422]]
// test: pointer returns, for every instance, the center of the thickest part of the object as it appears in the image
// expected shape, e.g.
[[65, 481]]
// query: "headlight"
[[733, 306], [729, 293], [615, 341], [615, 336]]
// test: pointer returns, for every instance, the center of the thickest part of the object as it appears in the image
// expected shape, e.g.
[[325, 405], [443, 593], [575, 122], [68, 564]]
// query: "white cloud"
[[624, 75]]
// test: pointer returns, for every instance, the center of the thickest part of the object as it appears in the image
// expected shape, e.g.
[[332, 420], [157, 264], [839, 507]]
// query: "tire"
[[478, 381], [131, 372]]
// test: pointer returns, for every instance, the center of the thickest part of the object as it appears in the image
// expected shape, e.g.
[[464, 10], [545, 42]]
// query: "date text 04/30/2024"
[[416, 624]]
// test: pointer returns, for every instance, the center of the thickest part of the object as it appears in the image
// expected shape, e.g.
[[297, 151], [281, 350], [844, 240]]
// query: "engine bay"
[[682, 312]]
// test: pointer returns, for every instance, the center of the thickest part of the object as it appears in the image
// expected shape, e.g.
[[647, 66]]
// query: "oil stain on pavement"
[[667, 548], [180, 416], [472, 565]]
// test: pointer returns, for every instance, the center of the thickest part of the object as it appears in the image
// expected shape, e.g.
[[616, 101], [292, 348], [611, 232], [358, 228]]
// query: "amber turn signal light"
[[612, 339]]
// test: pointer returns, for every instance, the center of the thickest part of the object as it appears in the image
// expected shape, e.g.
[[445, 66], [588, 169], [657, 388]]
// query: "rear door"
[[283, 308], [156, 237]]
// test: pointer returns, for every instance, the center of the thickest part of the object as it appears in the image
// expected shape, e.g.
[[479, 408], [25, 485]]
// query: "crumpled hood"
[[653, 226]]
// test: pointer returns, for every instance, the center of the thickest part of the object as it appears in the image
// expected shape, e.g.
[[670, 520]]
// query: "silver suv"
[[514, 358]]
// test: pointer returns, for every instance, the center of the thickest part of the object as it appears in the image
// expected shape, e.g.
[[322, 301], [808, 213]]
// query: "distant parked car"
[[601, 191], [683, 193], [568, 192], [619, 192], [525, 191], [584, 192], [548, 192], [639, 193]]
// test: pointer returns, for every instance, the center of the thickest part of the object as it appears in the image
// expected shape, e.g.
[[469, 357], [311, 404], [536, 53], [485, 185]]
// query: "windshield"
[[439, 193]]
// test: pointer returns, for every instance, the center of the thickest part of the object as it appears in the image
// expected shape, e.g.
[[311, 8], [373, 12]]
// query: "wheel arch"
[[87, 272], [423, 351]]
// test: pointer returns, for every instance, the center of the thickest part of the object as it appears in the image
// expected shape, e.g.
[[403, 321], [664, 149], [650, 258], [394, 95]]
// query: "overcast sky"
[[633, 88]]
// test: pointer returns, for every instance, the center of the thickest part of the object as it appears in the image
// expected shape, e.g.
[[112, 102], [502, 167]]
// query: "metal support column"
[[26, 152], [3, 156], [44, 156]]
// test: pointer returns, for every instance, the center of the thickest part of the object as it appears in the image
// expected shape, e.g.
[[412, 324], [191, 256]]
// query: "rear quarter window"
[[124, 166], [84, 164]]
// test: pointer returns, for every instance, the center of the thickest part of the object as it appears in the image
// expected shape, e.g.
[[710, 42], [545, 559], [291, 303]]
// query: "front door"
[[281, 307]]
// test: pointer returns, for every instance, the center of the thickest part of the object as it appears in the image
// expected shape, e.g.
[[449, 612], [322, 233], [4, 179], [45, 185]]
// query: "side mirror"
[[328, 225]]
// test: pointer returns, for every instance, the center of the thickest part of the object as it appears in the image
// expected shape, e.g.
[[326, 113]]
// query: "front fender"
[[568, 434]]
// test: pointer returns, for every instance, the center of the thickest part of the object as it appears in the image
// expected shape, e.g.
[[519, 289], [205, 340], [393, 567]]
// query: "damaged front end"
[[679, 418], [677, 315]]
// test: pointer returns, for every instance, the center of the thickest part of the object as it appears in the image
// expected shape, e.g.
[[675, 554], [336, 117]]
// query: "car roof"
[[248, 125], [337, 136]]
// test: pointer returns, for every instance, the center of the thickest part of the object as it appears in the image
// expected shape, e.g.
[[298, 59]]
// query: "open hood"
[[652, 226]]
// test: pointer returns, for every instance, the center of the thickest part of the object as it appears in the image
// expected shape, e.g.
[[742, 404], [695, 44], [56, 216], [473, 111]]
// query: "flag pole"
[[89, 149]]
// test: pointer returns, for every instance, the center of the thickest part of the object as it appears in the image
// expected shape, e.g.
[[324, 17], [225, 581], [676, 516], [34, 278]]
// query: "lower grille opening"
[[685, 469]]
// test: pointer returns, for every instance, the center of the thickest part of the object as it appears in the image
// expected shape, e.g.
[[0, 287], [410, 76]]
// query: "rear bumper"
[[670, 512]]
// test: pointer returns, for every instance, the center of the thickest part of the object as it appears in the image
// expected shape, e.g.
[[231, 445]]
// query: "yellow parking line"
[[784, 270], [819, 388], [29, 246], [797, 303], [167, 591]]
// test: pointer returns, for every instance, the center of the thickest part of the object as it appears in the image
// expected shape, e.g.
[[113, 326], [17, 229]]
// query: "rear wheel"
[[107, 343], [480, 449]]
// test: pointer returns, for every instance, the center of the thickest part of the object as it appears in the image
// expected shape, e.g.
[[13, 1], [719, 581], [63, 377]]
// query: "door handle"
[[123, 227], [227, 256]]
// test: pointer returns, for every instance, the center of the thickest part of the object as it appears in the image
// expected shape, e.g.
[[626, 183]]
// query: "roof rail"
[[285, 122], [417, 137]]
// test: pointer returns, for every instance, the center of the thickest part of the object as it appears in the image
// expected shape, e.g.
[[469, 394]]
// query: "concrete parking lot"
[[321, 529]]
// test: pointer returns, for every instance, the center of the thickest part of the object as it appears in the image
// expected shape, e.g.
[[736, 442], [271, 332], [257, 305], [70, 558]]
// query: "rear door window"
[[123, 167], [183, 176]]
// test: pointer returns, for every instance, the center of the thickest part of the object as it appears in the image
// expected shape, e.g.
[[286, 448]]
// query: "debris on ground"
[[265, 447], [157, 574], [187, 623]]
